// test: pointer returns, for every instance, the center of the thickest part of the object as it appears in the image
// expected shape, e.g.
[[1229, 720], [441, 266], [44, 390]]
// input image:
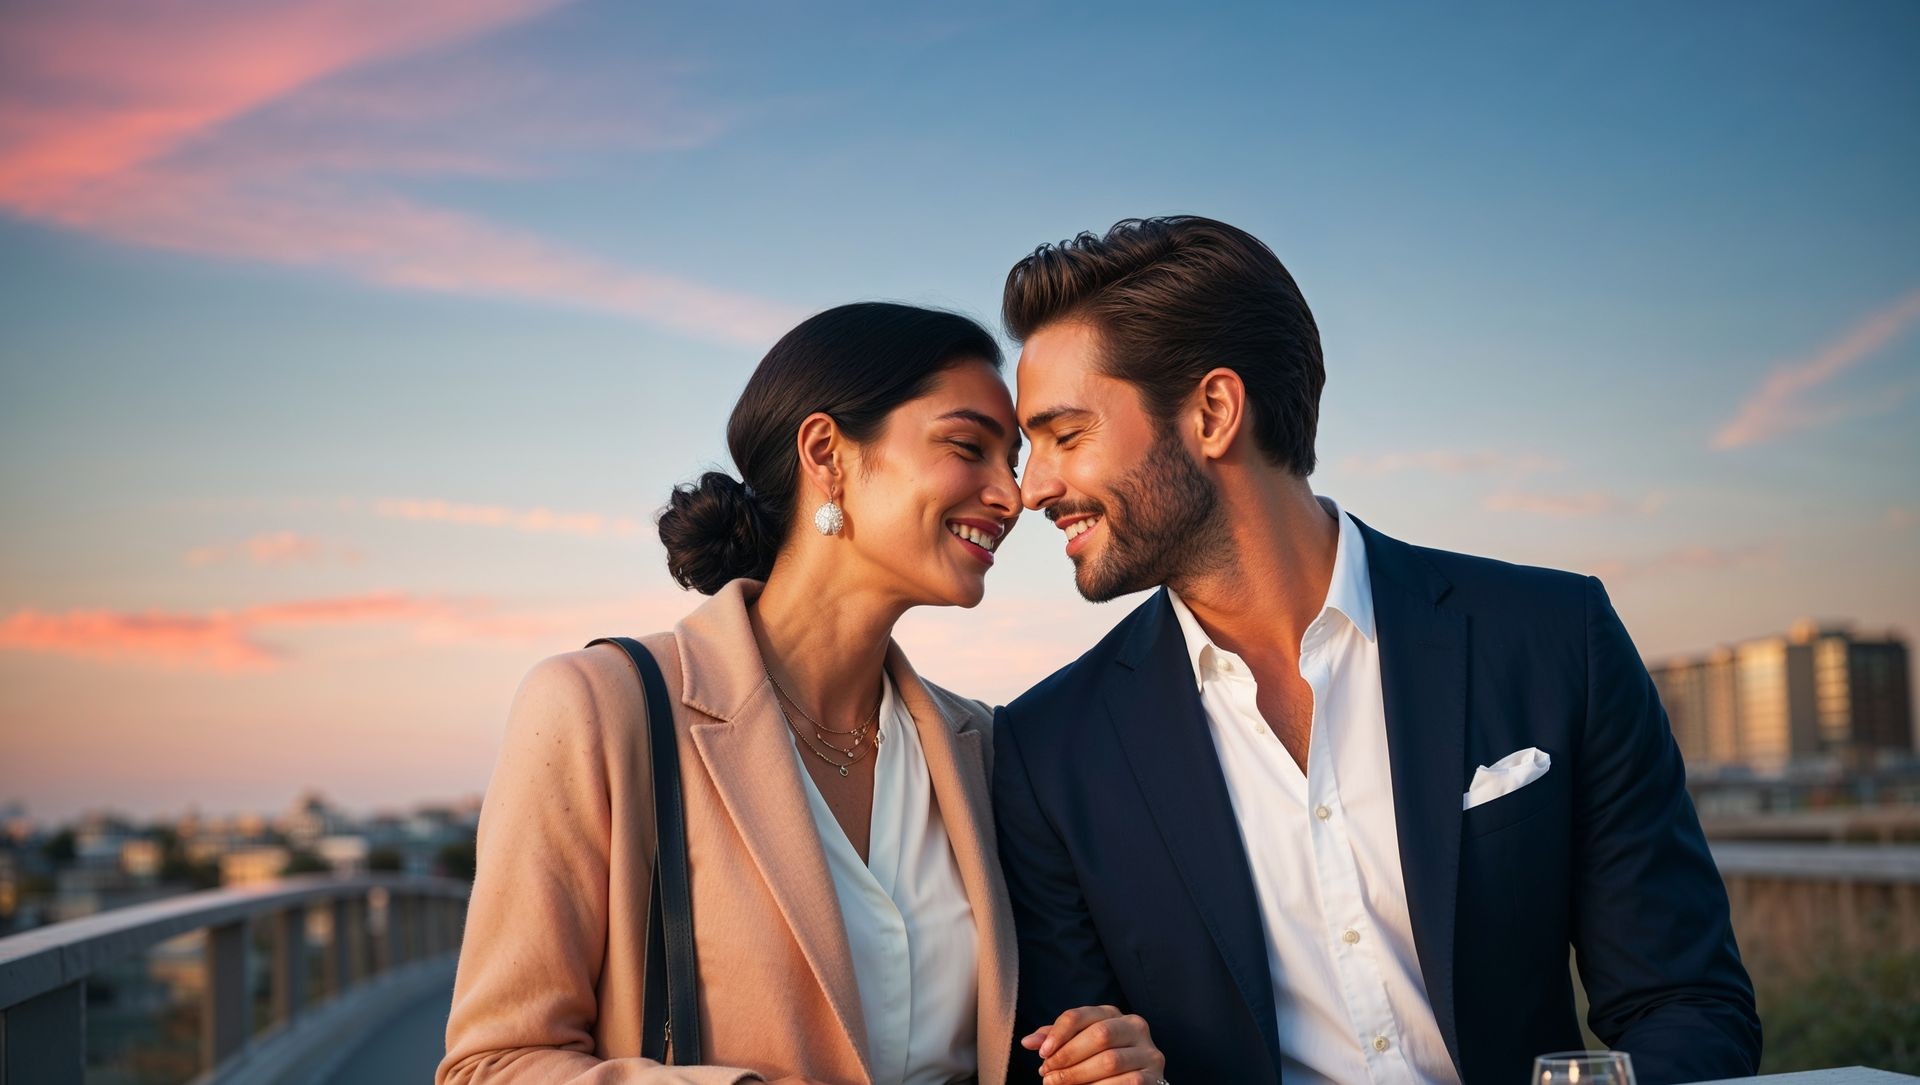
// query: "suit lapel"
[[1161, 726], [956, 765], [752, 765], [1423, 679]]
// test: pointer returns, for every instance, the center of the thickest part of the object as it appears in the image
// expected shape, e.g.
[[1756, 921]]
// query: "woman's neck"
[[823, 638]]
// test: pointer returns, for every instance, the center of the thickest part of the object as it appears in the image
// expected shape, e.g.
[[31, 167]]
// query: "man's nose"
[[1040, 486]]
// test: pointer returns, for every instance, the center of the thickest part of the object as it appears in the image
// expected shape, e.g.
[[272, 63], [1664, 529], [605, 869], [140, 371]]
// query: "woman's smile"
[[980, 537]]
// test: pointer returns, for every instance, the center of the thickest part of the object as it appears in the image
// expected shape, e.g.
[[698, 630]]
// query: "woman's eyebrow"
[[968, 414], [986, 422]]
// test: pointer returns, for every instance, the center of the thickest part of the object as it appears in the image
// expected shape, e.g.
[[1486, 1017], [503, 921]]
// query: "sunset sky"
[[347, 349]]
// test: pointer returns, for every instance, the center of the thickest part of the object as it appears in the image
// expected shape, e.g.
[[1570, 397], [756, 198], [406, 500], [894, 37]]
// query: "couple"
[[1327, 807]]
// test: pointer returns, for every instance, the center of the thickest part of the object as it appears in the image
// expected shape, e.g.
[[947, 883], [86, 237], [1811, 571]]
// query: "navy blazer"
[[1130, 886]]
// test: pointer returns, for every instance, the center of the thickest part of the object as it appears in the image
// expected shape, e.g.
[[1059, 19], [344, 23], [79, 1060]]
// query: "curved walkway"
[[404, 1050]]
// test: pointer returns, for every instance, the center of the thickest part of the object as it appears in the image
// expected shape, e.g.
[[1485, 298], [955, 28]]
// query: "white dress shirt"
[[908, 920], [1322, 846]]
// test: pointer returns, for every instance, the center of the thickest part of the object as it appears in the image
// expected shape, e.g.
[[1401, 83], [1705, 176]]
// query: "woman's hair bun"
[[715, 531]]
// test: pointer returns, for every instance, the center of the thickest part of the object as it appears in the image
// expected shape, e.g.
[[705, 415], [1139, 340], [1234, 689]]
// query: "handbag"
[[669, 1002]]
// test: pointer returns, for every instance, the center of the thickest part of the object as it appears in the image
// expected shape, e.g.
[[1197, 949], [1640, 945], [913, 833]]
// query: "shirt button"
[[1322, 813], [1379, 1043], [1350, 937]]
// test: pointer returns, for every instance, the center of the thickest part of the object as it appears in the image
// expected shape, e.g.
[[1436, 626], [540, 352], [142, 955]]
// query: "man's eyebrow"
[[1042, 419], [984, 421]]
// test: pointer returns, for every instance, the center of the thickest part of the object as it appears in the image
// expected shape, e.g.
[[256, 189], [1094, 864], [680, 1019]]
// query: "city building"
[[310, 819], [254, 864], [141, 858], [346, 855], [1816, 692]]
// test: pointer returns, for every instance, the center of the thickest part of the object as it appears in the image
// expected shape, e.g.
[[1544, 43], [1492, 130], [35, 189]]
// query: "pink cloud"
[[219, 640], [235, 641], [273, 548], [384, 606], [1443, 461], [538, 520], [560, 626], [224, 129], [1572, 506], [210, 642], [1687, 559], [97, 88], [1780, 405]]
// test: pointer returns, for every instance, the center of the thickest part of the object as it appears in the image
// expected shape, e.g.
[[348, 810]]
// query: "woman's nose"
[[1003, 495]]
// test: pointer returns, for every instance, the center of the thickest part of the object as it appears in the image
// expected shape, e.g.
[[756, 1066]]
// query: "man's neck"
[[1282, 542]]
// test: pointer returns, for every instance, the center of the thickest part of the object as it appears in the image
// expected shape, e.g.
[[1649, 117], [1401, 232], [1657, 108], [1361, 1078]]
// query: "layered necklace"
[[856, 746]]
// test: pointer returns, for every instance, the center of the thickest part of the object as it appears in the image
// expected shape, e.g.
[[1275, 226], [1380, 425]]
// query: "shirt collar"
[[1349, 593]]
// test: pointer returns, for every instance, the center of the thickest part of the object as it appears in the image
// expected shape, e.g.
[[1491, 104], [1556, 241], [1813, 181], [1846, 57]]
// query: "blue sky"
[[310, 309]]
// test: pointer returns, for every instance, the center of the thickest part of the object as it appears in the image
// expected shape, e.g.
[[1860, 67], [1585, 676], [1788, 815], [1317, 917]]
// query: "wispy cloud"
[[242, 640], [218, 640], [538, 520], [1446, 461], [1573, 505], [272, 132], [273, 548], [559, 626], [1687, 559], [1782, 404]]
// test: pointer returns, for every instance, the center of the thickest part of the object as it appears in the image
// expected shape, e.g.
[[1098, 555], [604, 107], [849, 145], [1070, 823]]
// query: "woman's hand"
[[1097, 1045]]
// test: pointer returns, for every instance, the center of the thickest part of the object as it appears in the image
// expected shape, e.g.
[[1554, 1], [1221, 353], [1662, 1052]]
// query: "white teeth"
[[975, 536], [1080, 527]]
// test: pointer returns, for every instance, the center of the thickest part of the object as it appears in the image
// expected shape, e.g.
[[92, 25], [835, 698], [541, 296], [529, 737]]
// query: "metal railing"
[[378, 924]]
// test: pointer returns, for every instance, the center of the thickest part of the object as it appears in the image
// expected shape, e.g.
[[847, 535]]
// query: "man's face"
[[1136, 509]]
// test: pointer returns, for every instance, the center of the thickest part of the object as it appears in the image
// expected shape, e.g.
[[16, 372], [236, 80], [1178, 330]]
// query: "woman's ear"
[[821, 449], [1221, 411]]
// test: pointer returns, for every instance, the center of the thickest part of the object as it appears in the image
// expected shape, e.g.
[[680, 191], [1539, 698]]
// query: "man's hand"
[[1097, 1045]]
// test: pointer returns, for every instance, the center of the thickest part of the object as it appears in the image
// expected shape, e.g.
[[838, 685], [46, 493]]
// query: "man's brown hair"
[[1172, 298]]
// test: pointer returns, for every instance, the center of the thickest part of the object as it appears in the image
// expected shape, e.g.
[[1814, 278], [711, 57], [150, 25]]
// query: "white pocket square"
[[1505, 776]]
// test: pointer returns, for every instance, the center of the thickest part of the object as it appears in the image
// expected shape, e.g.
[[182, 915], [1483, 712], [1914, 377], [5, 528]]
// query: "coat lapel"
[[1423, 679], [751, 762], [957, 768], [1157, 716]]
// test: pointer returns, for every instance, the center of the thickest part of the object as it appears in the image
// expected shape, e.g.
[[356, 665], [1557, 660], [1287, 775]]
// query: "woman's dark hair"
[[856, 363], [1172, 298]]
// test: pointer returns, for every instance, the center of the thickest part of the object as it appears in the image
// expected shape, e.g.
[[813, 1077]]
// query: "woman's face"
[[933, 494]]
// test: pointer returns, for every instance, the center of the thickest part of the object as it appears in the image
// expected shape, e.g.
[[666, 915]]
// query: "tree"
[[457, 860], [304, 862], [60, 848]]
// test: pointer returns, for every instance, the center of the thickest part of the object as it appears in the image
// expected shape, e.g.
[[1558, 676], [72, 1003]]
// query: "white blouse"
[[908, 920]]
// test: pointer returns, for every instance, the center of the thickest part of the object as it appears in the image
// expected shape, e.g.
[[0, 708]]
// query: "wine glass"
[[1583, 1068]]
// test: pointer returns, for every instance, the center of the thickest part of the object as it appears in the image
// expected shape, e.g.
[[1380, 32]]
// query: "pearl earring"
[[828, 518]]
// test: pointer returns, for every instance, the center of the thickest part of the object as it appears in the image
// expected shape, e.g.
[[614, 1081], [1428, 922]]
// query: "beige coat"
[[552, 964]]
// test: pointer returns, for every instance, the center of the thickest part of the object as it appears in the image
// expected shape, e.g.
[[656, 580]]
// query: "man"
[[1327, 806]]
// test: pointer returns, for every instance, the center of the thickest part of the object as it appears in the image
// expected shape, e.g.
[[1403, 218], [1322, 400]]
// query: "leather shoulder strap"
[[670, 1025]]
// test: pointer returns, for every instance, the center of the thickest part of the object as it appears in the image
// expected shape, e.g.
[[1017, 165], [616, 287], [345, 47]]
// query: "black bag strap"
[[670, 1001]]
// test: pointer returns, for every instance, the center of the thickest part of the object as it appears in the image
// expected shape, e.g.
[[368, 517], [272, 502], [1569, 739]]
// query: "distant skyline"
[[145, 819], [349, 350]]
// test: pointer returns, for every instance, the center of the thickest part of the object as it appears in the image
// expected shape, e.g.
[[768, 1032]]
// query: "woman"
[[849, 918]]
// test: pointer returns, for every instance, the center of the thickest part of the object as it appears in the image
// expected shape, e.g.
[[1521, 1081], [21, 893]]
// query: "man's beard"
[[1166, 524]]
